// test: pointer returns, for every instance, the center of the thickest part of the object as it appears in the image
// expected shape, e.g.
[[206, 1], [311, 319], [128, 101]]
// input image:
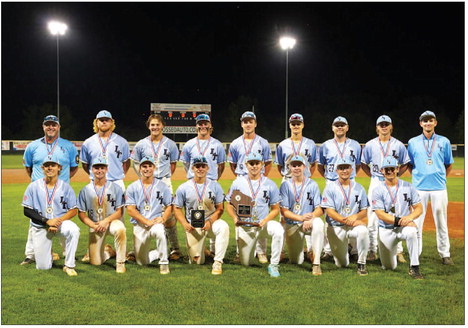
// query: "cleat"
[[164, 269], [353, 257], [236, 259], [27, 261], [316, 270], [217, 268], [131, 256], [120, 267], [326, 256], [70, 271], [108, 248], [209, 254], [372, 256], [262, 258], [55, 257], [273, 270], [401, 258], [310, 256], [414, 272], [85, 258], [362, 270], [175, 255], [447, 261]]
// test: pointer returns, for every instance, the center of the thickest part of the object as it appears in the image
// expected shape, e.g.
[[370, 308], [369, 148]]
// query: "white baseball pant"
[[42, 243], [219, 232], [97, 255], [142, 244], [388, 240], [439, 203], [248, 237], [294, 235], [339, 236]]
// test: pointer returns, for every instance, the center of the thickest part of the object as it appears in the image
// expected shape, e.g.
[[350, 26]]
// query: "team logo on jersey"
[[394, 154], [63, 202], [212, 153], [407, 199], [159, 197], [311, 201], [357, 200], [351, 154], [111, 200], [212, 197], [265, 196], [166, 154], [117, 151]]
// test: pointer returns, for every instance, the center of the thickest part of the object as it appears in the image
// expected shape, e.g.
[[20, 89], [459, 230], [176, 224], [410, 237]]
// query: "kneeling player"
[[300, 206], [148, 202], [396, 203], [100, 205], [203, 201]]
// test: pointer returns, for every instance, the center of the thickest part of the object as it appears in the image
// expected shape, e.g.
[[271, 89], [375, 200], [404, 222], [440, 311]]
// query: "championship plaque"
[[244, 207], [197, 218]]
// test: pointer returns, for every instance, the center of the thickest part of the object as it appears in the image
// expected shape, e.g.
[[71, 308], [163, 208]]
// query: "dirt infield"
[[456, 216]]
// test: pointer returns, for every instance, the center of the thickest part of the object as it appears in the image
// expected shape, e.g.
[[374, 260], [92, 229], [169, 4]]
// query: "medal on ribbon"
[[50, 197], [254, 196], [248, 149], [147, 195], [342, 153], [394, 199], [100, 199], [347, 207], [104, 146], [296, 152], [298, 195], [202, 152], [200, 196], [429, 152], [156, 151]]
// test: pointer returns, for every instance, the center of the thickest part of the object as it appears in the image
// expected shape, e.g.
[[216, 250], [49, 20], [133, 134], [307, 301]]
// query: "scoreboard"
[[180, 118]]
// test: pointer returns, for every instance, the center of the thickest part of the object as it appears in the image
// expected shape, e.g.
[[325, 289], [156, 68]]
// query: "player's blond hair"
[[95, 127]]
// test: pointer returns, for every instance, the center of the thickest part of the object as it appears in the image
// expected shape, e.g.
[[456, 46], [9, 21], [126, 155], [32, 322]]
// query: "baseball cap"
[[252, 156], [296, 117], [389, 161], [203, 117], [99, 161], [340, 119], [51, 118], [427, 113], [104, 113], [383, 118], [51, 159], [297, 158], [147, 159], [248, 115], [200, 160], [343, 161]]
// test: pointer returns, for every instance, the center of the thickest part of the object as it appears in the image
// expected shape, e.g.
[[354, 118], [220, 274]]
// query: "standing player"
[[373, 154], [345, 203], [431, 162], [397, 205], [165, 153], [50, 203], [330, 152], [249, 142], [49, 145], [265, 196], [148, 202], [100, 205], [300, 207], [204, 197]]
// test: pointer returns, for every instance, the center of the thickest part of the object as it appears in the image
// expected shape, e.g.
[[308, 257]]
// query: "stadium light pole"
[[58, 28], [286, 43]]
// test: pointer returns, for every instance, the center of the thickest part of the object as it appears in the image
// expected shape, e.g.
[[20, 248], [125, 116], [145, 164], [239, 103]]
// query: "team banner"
[[180, 118]]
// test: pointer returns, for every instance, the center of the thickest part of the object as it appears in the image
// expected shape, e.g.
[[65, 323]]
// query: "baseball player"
[[345, 203], [165, 154], [50, 203], [265, 196], [49, 145], [239, 149], [373, 154], [100, 205], [329, 153], [300, 207], [202, 197], [148, 203], [431, 162], [397, 205]]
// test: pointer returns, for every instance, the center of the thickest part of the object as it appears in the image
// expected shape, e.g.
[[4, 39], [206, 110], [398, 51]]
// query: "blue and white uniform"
[[301, 199], [288, 148], [264, 193], [212, 149], [192, 196], [99, 203], [151, 203], [346, 201], [52, 203], [428, 159], [331, 151], [373, 154], [240, 148], [397, 200]]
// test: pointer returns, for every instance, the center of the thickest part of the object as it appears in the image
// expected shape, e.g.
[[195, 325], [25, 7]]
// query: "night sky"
[[359, 60]]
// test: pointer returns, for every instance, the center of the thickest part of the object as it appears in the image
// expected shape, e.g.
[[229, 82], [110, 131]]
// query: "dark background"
[[359, 60]]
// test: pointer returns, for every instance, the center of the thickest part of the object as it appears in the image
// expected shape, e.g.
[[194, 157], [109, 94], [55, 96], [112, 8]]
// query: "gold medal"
[[49, 210], [147, 208], [347, 209], [99, 210], [297, 207], [200, 207], [429, 161]]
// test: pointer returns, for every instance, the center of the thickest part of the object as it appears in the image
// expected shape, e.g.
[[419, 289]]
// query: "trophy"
[[244, 207], [197, 218]]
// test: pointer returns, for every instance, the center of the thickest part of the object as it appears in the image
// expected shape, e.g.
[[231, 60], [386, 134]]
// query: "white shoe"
[[164, 269], [262, 258], [70, 271]]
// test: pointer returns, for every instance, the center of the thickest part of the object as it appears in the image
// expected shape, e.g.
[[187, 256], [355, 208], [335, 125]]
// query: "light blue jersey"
[[287, 149], [212, 149], [330, 151], [396, 200], [263, 192], [109, 198], [429, 172], [191, 196], [344, 200], [50, 203], [375, 151], [37, 150], [164, 153], [116, 151], [151, 201], [307, 196], [240, 148]]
